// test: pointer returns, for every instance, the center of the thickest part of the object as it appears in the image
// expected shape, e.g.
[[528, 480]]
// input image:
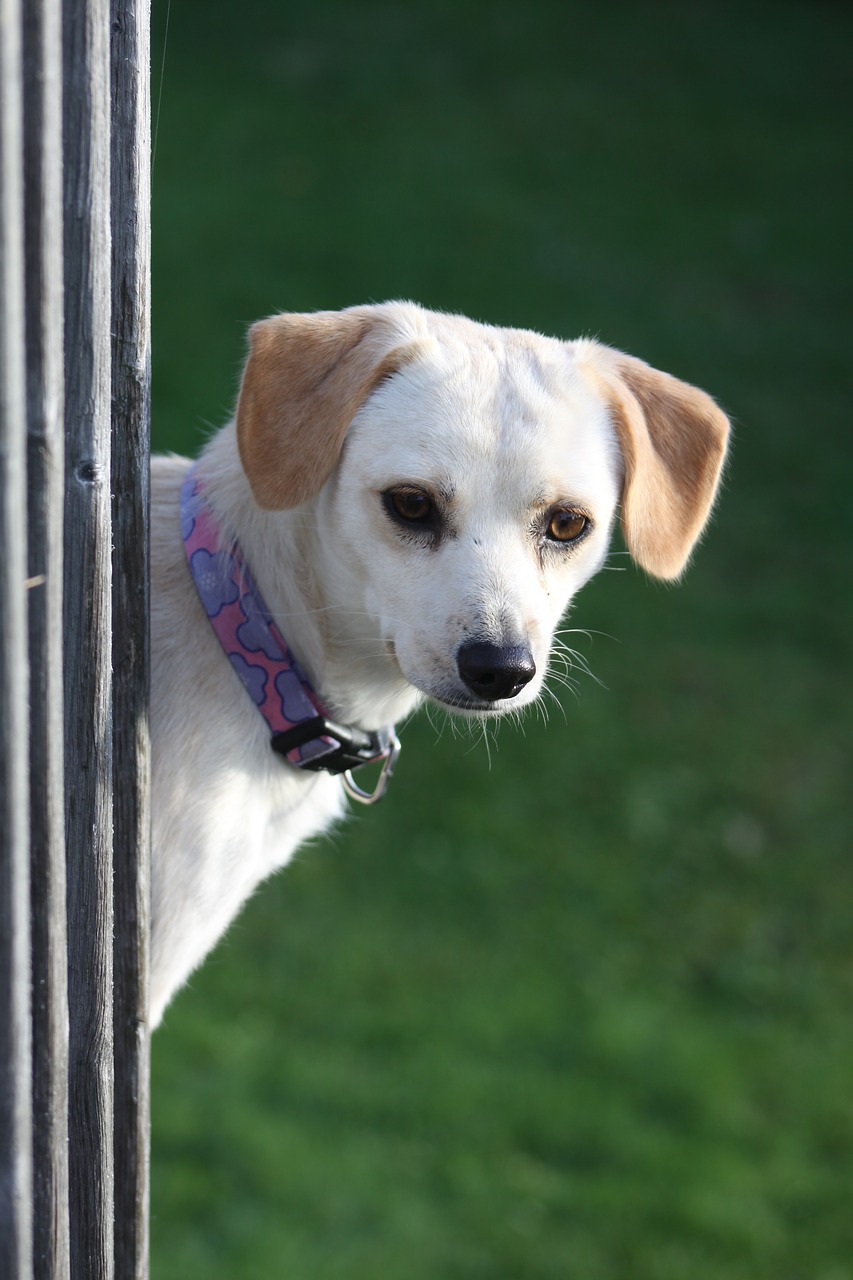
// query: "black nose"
[[493, 671]]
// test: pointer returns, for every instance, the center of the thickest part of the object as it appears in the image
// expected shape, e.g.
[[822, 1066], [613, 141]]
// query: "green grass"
[[578, 1005]]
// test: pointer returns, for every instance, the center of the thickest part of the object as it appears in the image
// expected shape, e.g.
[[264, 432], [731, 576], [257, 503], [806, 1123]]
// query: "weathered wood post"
[[15, 1058], [45, 486], [87, 626], [131, 379], [74, 410]]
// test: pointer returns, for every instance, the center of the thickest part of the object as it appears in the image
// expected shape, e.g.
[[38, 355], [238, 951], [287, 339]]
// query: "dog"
[[402, 509]]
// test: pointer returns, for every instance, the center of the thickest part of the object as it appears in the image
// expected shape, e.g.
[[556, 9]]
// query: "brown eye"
[[412, 505], [567, 526]]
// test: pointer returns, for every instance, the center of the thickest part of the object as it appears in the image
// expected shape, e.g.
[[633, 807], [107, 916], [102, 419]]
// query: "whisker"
[[557, 703], [588, 632], [485, 736]]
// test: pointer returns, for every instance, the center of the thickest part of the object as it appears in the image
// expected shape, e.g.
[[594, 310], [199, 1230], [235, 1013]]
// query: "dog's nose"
[[494, 671]]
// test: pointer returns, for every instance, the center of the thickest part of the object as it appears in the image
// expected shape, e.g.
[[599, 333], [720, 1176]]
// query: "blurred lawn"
[[585, 1011]]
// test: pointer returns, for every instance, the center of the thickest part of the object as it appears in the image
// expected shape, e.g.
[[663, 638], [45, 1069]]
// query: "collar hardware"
[[355, 746], [390, 751]]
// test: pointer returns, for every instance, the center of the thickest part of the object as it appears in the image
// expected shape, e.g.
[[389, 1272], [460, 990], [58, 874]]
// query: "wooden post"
[[131, 375], [88, 634], [15, 1059], [74, 822], [45, 485]]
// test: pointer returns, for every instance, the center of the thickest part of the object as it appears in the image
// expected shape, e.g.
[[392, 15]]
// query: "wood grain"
[[131, 380], [45, 455], [87, 618], [15, 1059]]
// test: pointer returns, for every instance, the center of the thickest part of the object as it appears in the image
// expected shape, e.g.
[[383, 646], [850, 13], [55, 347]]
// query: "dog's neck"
[[316, 606]]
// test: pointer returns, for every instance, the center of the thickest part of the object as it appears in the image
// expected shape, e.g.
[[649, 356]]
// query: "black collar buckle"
[[356, 748]]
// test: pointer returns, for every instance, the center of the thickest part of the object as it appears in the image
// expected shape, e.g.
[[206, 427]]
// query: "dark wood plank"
[[15, 1061], [45, 452], [131, 375], [87, 626]]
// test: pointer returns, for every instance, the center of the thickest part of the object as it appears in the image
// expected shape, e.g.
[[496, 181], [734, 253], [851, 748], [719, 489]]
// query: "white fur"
[[505, 422]]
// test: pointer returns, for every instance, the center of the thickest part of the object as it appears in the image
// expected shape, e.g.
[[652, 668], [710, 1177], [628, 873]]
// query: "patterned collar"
[[300, 728]]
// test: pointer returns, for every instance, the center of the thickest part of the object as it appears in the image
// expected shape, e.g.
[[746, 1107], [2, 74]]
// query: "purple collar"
[[301, 729]]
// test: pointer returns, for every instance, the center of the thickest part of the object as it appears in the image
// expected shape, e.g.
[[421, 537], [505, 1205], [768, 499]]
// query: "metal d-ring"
[[355, 792]]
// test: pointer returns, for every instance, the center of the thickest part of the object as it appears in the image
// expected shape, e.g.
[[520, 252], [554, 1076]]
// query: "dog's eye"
[[411, 505], [567, 526]]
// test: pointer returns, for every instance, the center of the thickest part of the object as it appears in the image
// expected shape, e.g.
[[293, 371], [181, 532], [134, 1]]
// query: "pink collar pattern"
[[300, 727]]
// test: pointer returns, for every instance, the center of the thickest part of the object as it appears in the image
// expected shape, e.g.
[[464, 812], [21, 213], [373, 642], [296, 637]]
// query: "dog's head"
[[466, 478]]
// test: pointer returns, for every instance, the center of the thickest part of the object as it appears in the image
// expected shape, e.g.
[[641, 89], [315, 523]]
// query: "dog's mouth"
[[467, 706]]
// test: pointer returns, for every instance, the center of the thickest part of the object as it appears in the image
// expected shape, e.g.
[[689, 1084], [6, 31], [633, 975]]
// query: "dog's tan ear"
[[304, 381], [673, 438]]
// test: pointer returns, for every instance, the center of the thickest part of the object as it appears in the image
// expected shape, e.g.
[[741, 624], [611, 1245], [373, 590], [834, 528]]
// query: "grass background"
[[586, 1009]]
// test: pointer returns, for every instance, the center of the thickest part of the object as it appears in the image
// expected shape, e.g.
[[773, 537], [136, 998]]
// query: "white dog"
[[403, 508]]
